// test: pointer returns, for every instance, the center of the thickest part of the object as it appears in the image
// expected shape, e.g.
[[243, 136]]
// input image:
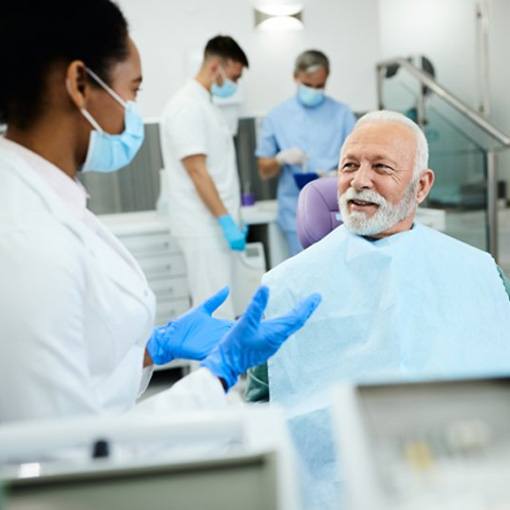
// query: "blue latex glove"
[[191, 336], [252, 341], [236, 237]]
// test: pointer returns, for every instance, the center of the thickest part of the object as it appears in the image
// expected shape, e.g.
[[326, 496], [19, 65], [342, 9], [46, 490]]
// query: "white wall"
[[499, 42], [442, 30], [168, 31], [445, 31]]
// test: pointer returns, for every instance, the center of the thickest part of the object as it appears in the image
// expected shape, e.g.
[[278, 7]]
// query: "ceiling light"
[[278, 15]]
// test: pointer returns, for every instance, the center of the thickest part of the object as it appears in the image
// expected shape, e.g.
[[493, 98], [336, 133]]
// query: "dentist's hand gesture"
[[252, 341], [191, 336]]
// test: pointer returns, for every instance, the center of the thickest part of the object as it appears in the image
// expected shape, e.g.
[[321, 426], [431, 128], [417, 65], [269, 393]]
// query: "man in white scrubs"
[[199, 157]]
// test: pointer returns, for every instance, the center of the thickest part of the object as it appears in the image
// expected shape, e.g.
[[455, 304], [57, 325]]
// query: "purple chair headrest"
[[317, 212]]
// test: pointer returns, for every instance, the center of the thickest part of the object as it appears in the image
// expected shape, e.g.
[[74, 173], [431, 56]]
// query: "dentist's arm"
[[251, 341], [197, 170], [196, 167], [270, 167]]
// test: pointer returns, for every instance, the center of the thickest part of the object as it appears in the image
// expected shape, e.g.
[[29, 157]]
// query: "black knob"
[[101, 449]]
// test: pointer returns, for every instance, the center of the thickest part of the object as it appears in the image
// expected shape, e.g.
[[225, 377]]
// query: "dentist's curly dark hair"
[[38, 35]]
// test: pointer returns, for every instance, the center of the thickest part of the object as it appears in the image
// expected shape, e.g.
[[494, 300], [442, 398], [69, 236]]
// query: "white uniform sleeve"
[[184, 130], [43, 358], [200, 390]]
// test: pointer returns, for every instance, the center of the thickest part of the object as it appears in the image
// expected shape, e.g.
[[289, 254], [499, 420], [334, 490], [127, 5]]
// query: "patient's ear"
[[425, 184]]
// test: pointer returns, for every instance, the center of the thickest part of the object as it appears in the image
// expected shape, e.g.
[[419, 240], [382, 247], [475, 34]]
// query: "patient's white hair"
[[421, 161]]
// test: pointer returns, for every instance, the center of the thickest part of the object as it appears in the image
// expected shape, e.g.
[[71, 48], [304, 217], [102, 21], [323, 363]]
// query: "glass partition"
[[458, 155]]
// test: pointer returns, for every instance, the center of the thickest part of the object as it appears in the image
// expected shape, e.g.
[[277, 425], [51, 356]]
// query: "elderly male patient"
[[399, 300]]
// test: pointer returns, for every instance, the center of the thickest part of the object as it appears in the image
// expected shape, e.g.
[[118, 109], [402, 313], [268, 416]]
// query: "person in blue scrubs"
[[304, 134]]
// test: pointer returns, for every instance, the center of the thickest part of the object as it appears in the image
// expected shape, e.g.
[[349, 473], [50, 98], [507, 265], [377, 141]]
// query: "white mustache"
[[366, 195]]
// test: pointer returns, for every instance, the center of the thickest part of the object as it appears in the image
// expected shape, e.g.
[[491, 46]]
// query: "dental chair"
[[317, 212]]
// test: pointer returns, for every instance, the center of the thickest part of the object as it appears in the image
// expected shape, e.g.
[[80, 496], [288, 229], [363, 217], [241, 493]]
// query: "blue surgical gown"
[[319, 131]]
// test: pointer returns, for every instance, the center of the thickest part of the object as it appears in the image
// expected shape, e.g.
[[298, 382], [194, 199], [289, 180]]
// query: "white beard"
[[386, 216]]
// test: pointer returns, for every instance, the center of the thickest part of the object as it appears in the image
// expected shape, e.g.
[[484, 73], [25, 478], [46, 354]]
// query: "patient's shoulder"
[[448, 246]]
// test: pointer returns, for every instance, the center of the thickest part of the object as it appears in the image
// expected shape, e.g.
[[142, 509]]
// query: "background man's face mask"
[[227, 89], [107, 152], [309, 96]]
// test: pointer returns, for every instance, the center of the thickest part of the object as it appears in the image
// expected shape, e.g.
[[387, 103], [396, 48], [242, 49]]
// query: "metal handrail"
[[490, 155], [429, 82]]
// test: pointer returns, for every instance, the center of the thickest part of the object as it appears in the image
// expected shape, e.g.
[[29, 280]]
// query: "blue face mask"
[[309, 96], [106, 152], [227, 89]]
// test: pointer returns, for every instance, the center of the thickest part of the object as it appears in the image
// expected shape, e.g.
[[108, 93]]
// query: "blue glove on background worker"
[[252, 341], [191, 336], [235, 236]]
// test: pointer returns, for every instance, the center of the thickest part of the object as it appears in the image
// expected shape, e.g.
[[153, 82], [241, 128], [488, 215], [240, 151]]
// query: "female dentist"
[[76, 314]]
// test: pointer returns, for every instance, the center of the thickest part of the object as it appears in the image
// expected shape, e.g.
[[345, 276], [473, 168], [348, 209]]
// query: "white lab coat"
[[192, 124], [75, 312]]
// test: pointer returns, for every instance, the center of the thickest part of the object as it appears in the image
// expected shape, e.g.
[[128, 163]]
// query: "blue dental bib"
[[415, 305]]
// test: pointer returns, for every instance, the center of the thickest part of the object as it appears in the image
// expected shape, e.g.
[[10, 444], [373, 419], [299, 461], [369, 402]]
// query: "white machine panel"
[[426, 445], [223, 460]]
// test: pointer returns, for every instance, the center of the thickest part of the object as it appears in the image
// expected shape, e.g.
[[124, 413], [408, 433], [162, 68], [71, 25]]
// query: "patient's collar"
[[373, 239]]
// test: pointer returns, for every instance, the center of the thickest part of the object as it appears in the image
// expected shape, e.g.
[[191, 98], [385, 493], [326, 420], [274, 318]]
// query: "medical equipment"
[[318, 214], [303, 178], [223, 460], [249, 268], [247, 197], [147, 237], [236, 482], [425, 445]]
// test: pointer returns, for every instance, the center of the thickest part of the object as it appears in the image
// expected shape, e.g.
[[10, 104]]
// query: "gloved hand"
[[252, 341], [191, 336], [292, 156], [236, 237]]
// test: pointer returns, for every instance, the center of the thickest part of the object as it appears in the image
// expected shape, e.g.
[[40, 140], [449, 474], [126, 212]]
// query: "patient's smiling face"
[[376, 179], [380, 157]]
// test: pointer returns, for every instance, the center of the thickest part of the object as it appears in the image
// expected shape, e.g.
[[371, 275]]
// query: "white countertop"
[[260, 213], [130, 223]]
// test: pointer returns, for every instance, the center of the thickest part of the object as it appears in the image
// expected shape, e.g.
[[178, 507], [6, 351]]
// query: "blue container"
[[303, 179]]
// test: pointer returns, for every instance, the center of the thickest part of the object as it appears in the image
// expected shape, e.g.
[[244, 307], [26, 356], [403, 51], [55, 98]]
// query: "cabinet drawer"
[[160, 266], [171, 288], [168, 310], [147, 244]]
